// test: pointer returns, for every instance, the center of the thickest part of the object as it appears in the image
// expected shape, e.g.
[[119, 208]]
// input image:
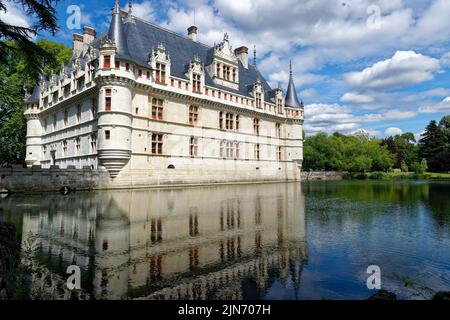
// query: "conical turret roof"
[[116, 33], [291, 94]]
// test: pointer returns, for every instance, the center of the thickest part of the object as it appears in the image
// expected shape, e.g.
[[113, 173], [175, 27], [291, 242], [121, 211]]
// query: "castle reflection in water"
[[224, 242]]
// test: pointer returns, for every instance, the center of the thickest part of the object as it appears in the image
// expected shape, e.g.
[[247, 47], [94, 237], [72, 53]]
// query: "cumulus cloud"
[[440, 107], [351, 97], [143, 10], [404, 68], [14, 15], [392, 132], [330, 118]]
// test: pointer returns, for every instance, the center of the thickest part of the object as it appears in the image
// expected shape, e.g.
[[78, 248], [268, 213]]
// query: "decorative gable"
[[159, 60], [224, 69]]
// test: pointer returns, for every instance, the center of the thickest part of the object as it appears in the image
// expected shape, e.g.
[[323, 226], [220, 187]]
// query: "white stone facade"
[[146, 126]]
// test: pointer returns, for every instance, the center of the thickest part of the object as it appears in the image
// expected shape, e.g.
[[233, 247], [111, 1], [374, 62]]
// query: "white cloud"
[[308, 94], [404, 68], [143, 10], [14, 15], [440, 107], [392, 132], [351, 97]]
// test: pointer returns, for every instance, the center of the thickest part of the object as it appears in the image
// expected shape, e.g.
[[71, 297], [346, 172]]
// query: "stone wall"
[[321, 175], [37, 179]]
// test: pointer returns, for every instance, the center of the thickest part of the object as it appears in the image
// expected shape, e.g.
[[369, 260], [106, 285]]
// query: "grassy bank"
[[397, 176]]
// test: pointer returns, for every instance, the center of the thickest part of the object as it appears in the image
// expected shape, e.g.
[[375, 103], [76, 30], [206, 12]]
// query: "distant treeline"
[[360, 153]]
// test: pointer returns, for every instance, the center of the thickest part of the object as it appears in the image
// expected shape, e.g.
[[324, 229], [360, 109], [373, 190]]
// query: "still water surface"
[[313, 240]]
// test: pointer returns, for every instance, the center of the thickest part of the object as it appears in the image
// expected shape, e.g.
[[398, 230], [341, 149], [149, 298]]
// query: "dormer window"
[[107, 62], [160, 73], [218, 70], [258, 100], [280, 105], [197, 83]]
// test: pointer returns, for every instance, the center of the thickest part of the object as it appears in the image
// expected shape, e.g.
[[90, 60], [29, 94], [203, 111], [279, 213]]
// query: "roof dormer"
[[159, 61], [224, 69]]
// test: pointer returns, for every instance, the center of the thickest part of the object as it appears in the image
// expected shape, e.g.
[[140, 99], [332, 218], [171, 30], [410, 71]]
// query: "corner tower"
[[34, 128], [115, 98]]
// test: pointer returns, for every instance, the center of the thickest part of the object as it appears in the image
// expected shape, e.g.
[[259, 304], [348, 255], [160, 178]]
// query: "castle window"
[[222, 149], [64, 147], [237, 149], [256, 126], [108, 100], [218, 70], [148, 75], [258, 100], [107, 135], [193, 115], [234, 75], [193, 147], [117, 65], [94, 143], [221, 120], [229, 121], [127, 67], [226, 73], [66, 118], [207, 91], [172, 82], [107, 62], [257, 152], [280, 105], [94, 108], [229, 149], [157, 109], [278, 129], [160, 73], [45, 125], [237, 122], [157, 143], [79, 113], [77, 144], [179, 84], [197, 83], [140, 72], [55, 122], [279, 154], [44, 150]]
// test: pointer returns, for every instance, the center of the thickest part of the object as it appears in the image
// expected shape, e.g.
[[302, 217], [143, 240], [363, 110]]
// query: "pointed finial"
[[290, 68], [116, 7], [130, 6], [254, 56]]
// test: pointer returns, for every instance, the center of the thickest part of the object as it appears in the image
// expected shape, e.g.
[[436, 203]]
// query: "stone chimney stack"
[[192, 33], [242, 54], [78, 45], [89, 35]]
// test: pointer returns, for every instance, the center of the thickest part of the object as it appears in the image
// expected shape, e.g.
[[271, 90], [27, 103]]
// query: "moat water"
[[313, 240]]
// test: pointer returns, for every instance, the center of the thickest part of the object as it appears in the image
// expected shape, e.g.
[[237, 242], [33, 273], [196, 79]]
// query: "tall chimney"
[[77, 44], [242, 54], [192, 33], [89, 35]]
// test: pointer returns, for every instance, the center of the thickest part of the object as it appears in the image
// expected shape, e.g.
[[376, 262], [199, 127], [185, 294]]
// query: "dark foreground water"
[[277, 241]]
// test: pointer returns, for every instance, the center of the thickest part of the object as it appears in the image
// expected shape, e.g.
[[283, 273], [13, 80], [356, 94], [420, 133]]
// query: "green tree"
[[15, 78], [434, 148]]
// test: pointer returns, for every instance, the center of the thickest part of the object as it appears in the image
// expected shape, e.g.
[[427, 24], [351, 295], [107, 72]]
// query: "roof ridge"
[[170, 31]]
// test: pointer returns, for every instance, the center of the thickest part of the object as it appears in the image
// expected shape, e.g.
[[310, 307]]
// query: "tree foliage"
[[15, 79], [19, 39], [359, 153], [434, 145], [346, 153]]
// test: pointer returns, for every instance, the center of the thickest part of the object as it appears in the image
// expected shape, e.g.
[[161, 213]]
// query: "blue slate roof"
[[34, 98], [141, 36]]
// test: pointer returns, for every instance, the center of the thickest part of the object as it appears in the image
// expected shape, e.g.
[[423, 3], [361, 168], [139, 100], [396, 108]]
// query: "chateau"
[[151, 107]]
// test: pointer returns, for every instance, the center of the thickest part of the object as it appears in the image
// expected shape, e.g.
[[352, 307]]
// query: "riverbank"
[[396, 176]]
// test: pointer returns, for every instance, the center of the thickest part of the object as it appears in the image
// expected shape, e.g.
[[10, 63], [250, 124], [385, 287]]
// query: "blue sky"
[[378, 65]]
